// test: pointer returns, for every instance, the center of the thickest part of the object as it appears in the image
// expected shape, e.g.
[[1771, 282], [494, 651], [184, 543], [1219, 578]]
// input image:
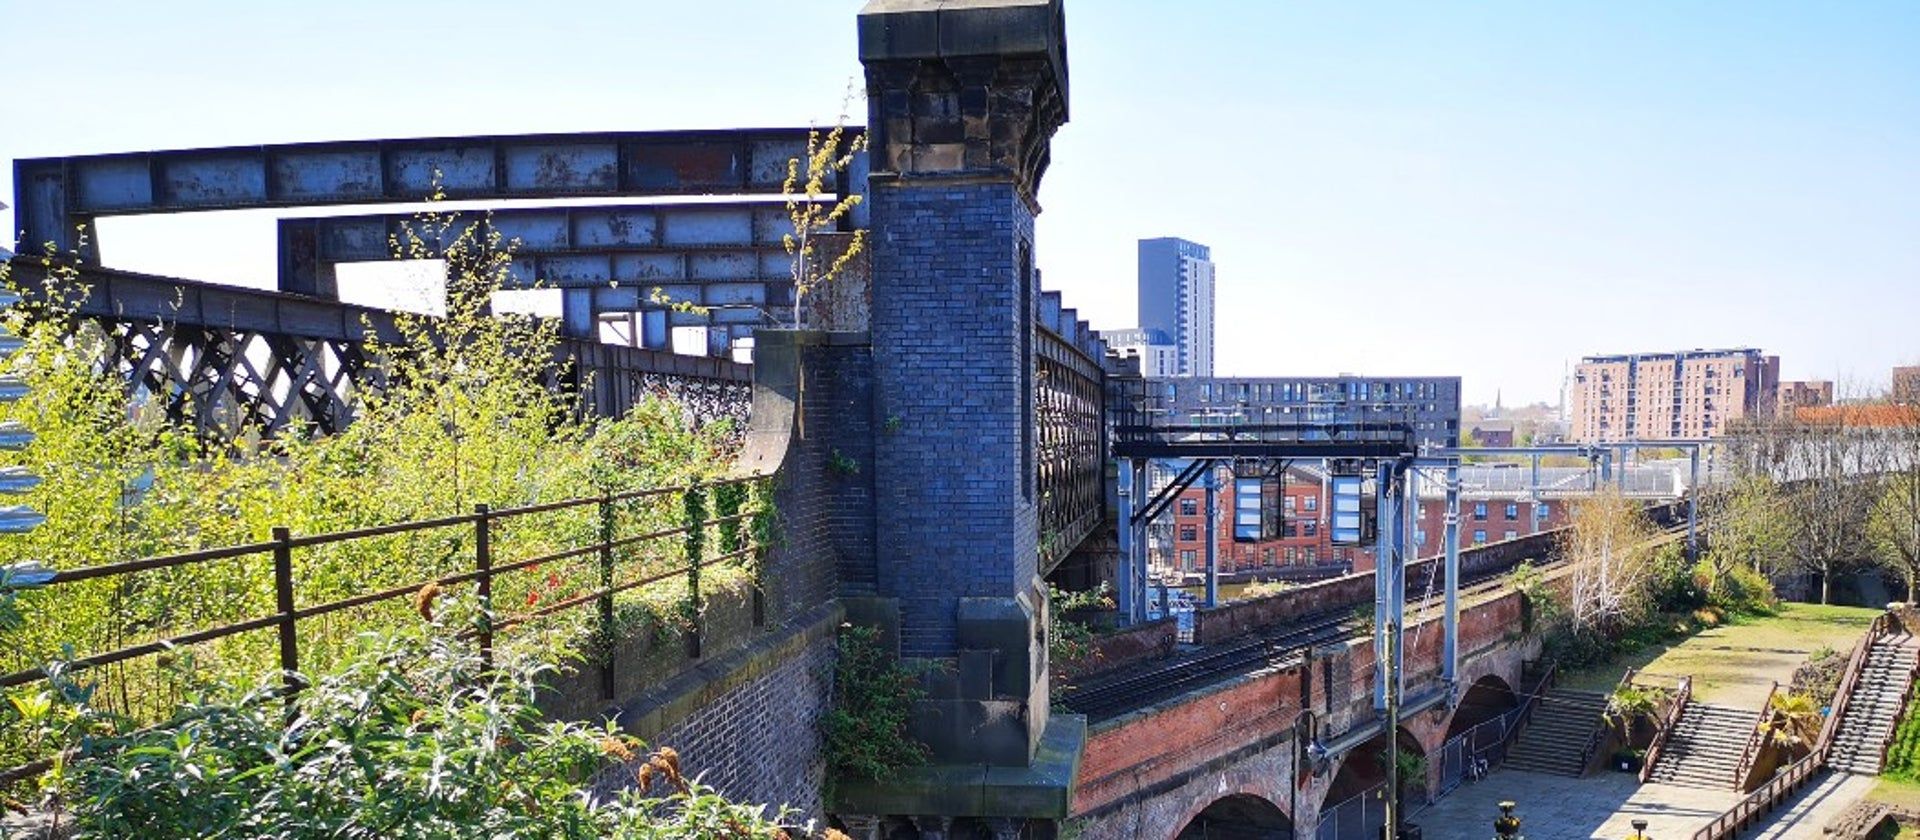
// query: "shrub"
[[873, 696], [413, 737]]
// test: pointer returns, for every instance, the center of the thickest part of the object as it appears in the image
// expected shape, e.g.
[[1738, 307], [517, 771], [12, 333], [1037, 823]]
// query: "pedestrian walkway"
[[1815, 806], [1559, 808]]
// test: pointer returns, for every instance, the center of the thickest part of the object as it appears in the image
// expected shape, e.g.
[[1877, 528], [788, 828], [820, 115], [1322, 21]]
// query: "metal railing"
[[1359, 817], [1485, 745], [477, 535], [1756, 740], [1681, 696]]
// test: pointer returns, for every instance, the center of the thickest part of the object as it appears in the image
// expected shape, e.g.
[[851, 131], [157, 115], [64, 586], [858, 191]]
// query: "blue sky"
[[1487, 189]]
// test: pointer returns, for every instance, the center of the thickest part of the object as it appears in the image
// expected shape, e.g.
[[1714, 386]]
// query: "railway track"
[[1110, 696]]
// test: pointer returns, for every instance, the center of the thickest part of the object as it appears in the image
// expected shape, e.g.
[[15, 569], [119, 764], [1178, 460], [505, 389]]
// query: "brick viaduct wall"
[[745, 712], [1238, 738]]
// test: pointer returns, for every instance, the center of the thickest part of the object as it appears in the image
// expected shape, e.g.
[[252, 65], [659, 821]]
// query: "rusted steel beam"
[[55, 195], [562, 247]]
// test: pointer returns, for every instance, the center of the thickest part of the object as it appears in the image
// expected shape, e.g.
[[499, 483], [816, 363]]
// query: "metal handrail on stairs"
[[1680, 698], [1755, 739], [1913, 668]]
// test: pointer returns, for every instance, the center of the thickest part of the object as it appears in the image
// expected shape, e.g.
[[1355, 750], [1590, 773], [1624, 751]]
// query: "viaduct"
[[942, 443]]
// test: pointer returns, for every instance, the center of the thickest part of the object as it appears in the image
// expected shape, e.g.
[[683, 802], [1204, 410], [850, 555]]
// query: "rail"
[[479, 536], [1767, 796], [1358, 817], [1485, 744], [1913, 668], [1756, 740], [1600, 734], [1680, 697]]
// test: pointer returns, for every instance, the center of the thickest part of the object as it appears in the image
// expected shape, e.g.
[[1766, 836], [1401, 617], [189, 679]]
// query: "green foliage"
[[1793, 721], [1903, 755], [413, 737], [1539, 608], [1069, 640], [1738, 590], [454, 414], [1629, 703], [1674, 581], [873, 697], [842, 463]]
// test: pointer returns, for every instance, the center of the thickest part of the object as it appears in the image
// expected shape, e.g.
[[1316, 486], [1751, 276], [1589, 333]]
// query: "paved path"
[[1558, 808], [1605, 806], [1814, 807]]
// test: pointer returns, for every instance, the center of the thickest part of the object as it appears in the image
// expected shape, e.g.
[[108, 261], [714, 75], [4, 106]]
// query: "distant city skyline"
[[1395, 188]]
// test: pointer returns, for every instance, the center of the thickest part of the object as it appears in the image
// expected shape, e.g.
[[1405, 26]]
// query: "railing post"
[[283, 600], [694, 503], [607, 640], [483, 582]]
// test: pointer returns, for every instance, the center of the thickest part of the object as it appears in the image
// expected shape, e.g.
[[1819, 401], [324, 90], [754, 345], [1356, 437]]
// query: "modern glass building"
[[1176, 298]]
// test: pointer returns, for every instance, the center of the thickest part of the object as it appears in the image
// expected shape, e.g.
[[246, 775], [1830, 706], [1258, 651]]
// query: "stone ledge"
[[1041, 790], [680, 697]]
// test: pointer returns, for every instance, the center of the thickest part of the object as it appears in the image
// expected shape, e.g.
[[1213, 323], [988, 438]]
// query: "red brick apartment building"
[[1658, 396]]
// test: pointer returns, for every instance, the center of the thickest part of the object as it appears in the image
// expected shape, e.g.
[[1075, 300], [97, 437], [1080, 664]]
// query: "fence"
[[607, 545], [1359, 817]]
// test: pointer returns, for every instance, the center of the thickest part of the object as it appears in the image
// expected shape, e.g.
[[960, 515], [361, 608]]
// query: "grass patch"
[[1901, 792], [1735, 664]]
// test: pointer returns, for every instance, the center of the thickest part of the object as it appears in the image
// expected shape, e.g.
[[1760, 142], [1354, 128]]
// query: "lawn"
[[1736, 664]]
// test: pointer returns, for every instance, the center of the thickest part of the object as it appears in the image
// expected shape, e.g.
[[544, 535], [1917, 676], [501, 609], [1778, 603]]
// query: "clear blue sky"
[[1487, 189]]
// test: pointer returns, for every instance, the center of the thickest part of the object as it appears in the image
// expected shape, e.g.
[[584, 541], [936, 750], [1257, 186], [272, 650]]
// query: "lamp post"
[[1507, 826]]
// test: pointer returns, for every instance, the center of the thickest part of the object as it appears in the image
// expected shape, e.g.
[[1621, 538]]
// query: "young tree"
[[1607, 545], [1831, 463], [1894, 524], [1749, 526]]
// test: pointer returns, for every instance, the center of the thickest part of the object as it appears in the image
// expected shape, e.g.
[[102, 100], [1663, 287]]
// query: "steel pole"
[[1212, 486], [1123, 583], [1693, 504], [1450, 659]]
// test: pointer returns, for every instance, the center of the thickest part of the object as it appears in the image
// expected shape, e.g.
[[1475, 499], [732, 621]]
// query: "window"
[[1510, 534], [1189, 533], [1479, 537], [1309, 554], [1480, 511], [1313, 503], [1419, 536], [1186, 557], [1513, 511], [1292, 554], [1542, 510], [1288, 504], [1310, 528], [1266, 557], [1189, 507]]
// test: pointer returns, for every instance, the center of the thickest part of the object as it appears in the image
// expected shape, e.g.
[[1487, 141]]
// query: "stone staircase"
[[1874, 707], [1555, 740], [1705, 747]]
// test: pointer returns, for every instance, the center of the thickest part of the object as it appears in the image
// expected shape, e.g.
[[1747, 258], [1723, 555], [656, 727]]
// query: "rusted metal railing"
[[483, 524]]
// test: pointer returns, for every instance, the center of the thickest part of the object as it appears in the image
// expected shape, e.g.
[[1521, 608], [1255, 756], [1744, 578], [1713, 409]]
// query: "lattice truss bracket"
[[1069, 418]]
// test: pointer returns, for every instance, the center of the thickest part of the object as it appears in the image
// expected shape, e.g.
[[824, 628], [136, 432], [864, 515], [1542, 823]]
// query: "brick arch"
[[1256, 789], [1241, 800]]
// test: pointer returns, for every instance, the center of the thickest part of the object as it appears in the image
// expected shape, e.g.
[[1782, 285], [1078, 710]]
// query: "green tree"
[[1894, 525], [1750, 527]]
